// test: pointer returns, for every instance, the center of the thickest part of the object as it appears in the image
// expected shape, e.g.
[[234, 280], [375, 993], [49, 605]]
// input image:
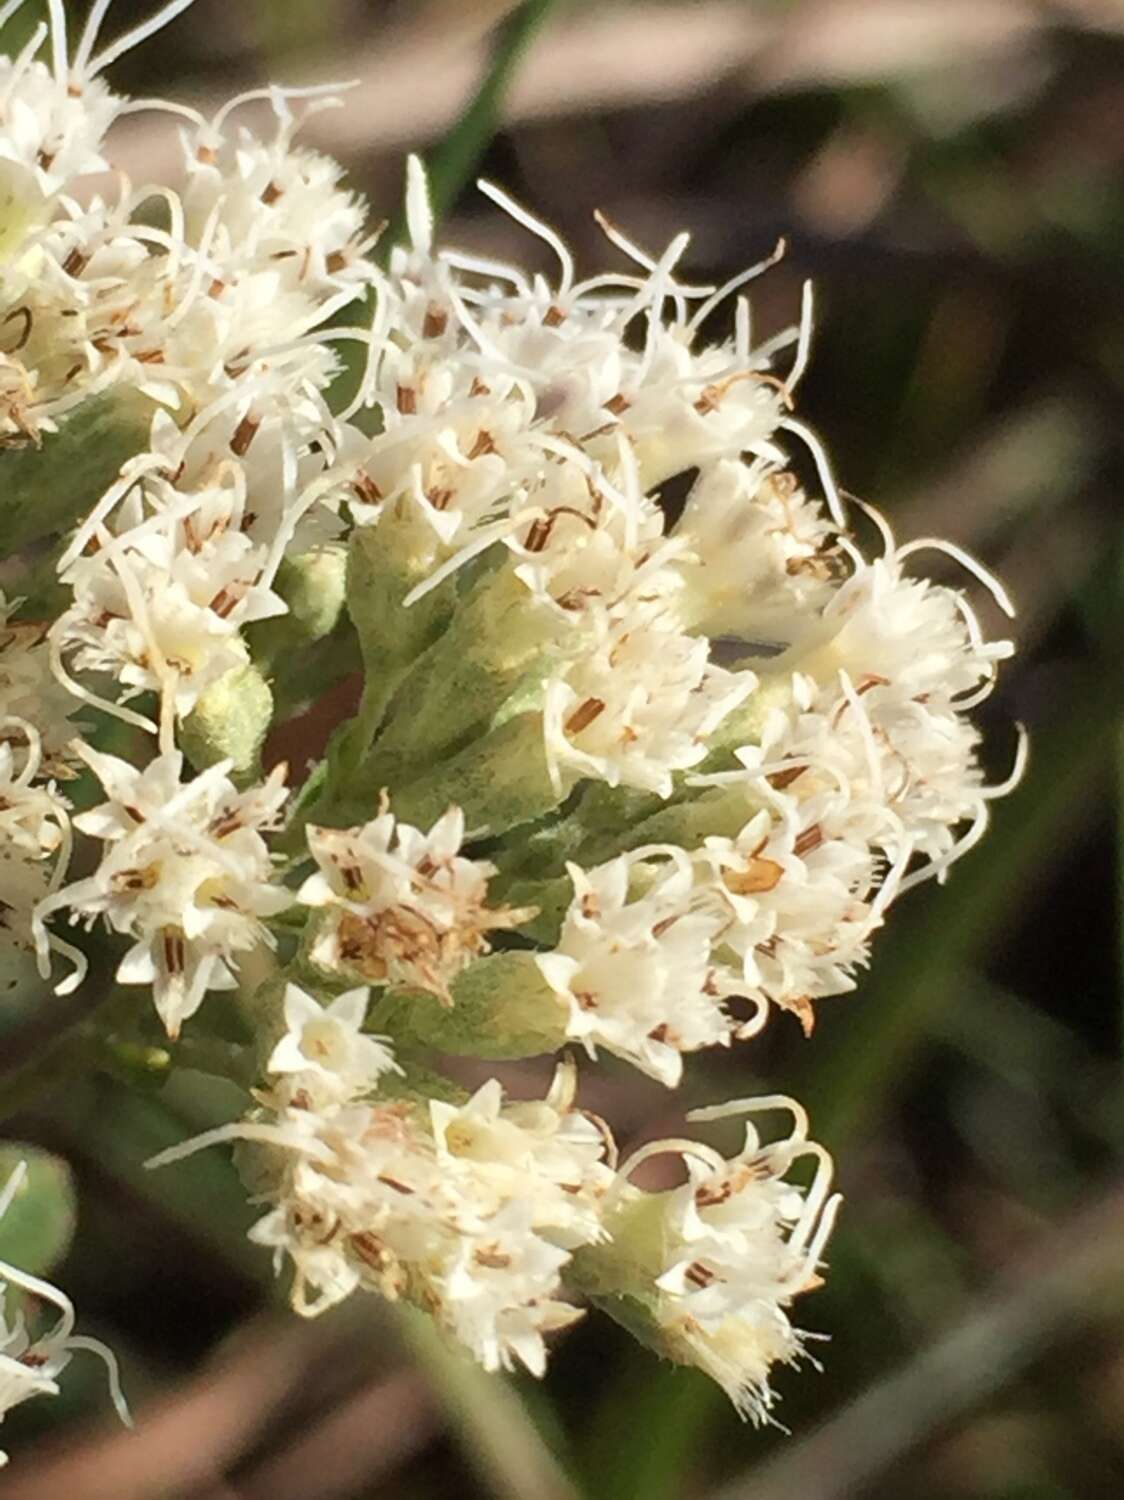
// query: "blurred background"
[[951, 175]]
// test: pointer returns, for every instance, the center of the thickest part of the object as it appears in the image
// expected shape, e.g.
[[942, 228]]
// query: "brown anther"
[[484, 444], [244, 434], [399, 1187], [478, 388], [801, 1008], [207, 155], [224, 602], [46, 160], [439, 497], [710, 1196], [435, 322], [217, 287], [365, 488], [584, 715], [25, 332], [271, 194], [780, 779], [665, 925], [335, 262], [586, 999], [492, 1258], [150, 357], [659, 1033], [553, 316], [810, 839], [760, 875], [75, 263], [538, 534], [406, 399], [699, 1275], [617, 404], [369, 1247], [175, 951]]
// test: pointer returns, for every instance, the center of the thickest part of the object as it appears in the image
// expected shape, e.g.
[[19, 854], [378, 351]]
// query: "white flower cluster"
[[729, 1250], [186, 874], [468, 1210], [400, 906], [31, 1366], [629, 771], [202, 303]]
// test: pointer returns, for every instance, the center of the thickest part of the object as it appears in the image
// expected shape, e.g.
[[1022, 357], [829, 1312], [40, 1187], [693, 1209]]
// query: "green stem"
[[455, 159], [488, 1417]]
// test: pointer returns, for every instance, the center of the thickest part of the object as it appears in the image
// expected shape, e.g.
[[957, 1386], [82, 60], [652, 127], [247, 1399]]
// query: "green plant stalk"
[[455, 159], [488, 1418]]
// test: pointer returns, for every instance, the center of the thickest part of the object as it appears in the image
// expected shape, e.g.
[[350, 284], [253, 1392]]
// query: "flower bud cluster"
[[647, 747]]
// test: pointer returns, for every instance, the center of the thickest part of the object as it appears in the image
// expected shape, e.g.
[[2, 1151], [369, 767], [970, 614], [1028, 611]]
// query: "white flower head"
[[324, 1048], [185, 872], [737, 1244], [638, 705], [161, 604], [633, 964], [400, 906], [471, 1211]]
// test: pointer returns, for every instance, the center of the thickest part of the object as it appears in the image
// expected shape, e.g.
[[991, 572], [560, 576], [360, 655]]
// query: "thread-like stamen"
[[141, 33], [536, 227], [90, 35], [732, 1107], [967, 561], [823, 468]]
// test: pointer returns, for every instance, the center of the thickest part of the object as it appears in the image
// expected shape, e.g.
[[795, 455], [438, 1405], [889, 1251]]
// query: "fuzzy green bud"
[[313, 587], [495, 648], [499, 781], [230, 721]]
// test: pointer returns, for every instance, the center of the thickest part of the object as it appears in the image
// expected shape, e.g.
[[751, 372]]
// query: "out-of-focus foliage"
[[38, 1227], [952, 178]]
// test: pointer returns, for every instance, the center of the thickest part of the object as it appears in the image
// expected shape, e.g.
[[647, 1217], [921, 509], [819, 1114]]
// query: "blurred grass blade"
[[452, 163], [1074, 1276], [648, 1430], [455, 160], [488, 1417]]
